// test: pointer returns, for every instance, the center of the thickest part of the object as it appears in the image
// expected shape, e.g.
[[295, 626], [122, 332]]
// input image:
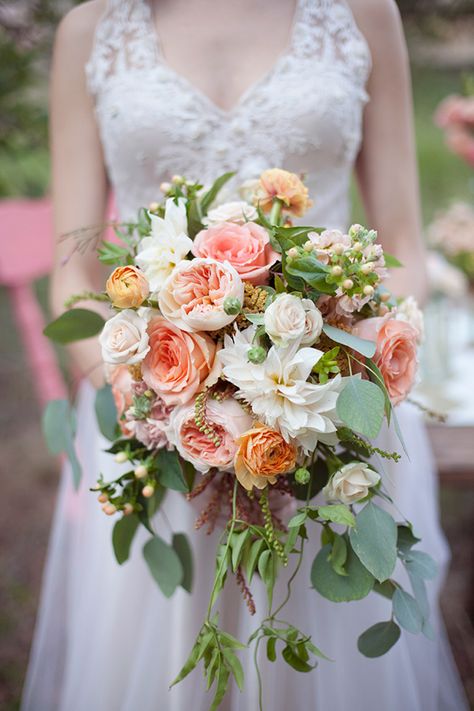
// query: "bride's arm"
[[386, 166], [78, 175]]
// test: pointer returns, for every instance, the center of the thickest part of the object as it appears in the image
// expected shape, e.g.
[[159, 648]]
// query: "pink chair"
[[26, 254]]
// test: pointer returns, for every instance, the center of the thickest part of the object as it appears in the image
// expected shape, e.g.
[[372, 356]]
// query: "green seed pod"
[[302, 475], [256, 354], [232, 306]]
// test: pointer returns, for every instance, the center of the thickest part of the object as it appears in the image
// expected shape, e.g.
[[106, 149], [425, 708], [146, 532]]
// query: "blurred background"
[[440, 35]]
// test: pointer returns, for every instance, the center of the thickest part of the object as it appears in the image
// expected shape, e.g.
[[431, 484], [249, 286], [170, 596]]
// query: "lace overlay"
[[305, 114]]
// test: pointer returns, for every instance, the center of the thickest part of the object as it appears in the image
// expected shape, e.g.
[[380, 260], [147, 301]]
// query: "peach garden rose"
[[193, 296], [247, 247], [127, 287], [262, 456], [395, 355], [178, 362]]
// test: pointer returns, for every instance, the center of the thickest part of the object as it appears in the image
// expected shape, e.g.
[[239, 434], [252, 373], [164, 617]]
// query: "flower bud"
[[153, 206], [308, 246], [148, 491], [148, 393], [121, 457], [177, 179], [355, 229], [232, 305], [128, 509], [102, 498], [357, 247], [368, 290], [302, 475], [292, 253], [385, 296], [109, 509], [367, 268], [336, 271], [256, 354], [347, 284], [338, 248], [141, 471], [165, 187]]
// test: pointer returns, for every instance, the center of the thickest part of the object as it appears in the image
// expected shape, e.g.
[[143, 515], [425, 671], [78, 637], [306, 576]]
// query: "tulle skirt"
[[107, 639]]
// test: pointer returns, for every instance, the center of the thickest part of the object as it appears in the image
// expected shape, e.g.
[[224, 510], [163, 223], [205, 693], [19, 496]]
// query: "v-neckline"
[[200, 93]]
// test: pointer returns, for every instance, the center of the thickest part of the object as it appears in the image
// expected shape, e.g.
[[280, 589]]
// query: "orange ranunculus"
[[262, 455], [287, 187], [127, 287]]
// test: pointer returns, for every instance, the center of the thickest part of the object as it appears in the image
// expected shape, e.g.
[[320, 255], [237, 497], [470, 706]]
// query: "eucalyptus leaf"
[[378, 639], [170, 473], [419, 591], [297, 520], [338, 554], [391, 261], [360, 406], [421, 564], [59, 429], [354, 586], [164, 564], [405, 538], [182, 547], [407, 612], [74, 325], [106, 412], [122, 536], [374, 539], [361, 345]]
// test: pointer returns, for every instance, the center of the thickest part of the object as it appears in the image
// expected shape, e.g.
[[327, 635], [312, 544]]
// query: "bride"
[[141, 89]]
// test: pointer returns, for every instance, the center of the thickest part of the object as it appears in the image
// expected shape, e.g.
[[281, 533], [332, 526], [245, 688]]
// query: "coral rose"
[[178, 362], [247, 247], [127, 287], [262, 456], [121, 382], [226, 419], [281, 185], [193, 295], [395, 355]]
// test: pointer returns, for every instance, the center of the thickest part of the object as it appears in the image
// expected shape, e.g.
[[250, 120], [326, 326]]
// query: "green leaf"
[[338, 555], [59, 429], [170, 473], [182, 547], [122, 537], [297, 520], [419, 591], [405, 538], [238, 542], [209, 197], [202, 643], [279, 285], [256, 319], [267, 564], [361, 345], [227, 640], [110, 253], [164, 564], [338, 513], [386, 589], [421, 564], [235, 666], [295, 661], [271, 649], [378, 639], [391, 261], [374, 539], [252, 558], [311, 270], [361, 406], [354, 586], [376, 377], [194, 216], [407, 612], [106, 412], [222, 679], [74, 325]]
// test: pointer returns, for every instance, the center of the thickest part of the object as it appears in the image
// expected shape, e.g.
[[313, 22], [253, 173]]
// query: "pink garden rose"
[[395, 355], [247, 247], [228, 421], [455, 115], [193, 296], [178, 362]]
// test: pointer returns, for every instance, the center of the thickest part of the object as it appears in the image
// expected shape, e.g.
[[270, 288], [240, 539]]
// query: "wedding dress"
[[106, 638]]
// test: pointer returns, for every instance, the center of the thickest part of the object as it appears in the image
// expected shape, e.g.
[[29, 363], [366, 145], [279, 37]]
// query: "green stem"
[[275, 213], [85, 296], [259, 676]]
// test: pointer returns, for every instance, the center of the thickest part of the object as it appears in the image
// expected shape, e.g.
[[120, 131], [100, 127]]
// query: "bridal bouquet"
[[252, 364], [452, 234]]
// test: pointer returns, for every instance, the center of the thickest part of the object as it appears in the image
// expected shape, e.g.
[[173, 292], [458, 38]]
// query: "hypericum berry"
[[338, 248], [232, 305], [141, 471], [357, 247], [367, 268], [165, 187], [368, 290], [347, 284], [109, 509], [103, 498], [292, 253], [308, 246], [336, 271], [121, 457], [256, 354], [153, 206], [128, 509], [302, 475], [177, 179], [148, 491]]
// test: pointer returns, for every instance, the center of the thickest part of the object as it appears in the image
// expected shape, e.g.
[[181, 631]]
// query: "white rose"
[[238, 212], [285, 319], [351, 483], [313, 323], [167, 245], [124, 338], [409, 312]]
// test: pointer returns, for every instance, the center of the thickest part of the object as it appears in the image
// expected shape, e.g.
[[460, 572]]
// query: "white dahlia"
[[278, 390]]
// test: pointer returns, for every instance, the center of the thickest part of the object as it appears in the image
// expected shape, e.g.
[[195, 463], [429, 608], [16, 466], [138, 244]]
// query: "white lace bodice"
[[305, 114]]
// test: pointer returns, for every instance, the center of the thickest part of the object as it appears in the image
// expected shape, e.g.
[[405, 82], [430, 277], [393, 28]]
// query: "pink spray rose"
[[178, 362], [193, 296], [152, 431], [228, 421], [395, 355], [247, 247]]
